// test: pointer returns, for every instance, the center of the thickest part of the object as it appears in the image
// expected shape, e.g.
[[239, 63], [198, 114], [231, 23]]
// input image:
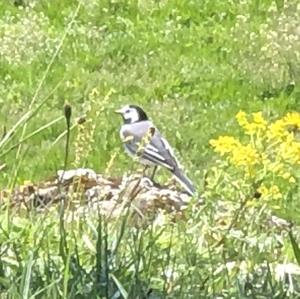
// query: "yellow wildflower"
[[251, 128], [292, 119], [270, 193], [244, 155], [241, 118], [286, 175], [272, 152], [254, 127], [259, 120], [290, 152], [277, 130], [275, 192], [263, 190], [224, 144]]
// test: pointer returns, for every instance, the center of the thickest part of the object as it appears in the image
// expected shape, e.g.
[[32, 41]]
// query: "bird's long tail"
[[184, 181]]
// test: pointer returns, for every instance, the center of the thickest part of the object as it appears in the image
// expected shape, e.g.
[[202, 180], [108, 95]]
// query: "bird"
[[143, 141]]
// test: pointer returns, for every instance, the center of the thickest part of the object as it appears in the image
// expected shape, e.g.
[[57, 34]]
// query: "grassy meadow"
[[220, 79]]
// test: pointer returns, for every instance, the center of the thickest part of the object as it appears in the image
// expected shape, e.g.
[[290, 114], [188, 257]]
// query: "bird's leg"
[[145, 169], [153, 173]]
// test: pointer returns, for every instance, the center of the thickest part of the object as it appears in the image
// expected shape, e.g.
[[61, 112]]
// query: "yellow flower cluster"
[[285, 128], [279, 139], [270, 193], [237, 153], [256, 126], [292, 119], [225, 144], [273, 149]]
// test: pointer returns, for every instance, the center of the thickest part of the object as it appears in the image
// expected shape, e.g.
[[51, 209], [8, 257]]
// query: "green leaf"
[[295, 246]]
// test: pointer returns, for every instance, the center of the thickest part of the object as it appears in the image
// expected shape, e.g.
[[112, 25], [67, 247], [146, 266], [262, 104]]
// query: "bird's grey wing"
[[133, 134], [143, 139], [160, 150]]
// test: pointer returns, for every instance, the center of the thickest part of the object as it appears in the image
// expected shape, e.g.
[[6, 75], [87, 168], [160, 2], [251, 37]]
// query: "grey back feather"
[[157, 150]]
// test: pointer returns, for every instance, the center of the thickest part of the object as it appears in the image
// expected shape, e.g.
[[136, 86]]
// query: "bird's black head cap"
[[141, 112]]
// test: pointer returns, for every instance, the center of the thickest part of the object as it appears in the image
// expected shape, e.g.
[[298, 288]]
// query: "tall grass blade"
[[119, 286], [295, 247], [27, 278], [34, 133]]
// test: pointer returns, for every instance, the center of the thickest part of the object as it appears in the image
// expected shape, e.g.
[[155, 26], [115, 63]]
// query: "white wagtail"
[[142, 140]]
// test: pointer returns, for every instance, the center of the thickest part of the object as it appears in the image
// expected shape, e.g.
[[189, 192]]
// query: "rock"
[[84, 188]]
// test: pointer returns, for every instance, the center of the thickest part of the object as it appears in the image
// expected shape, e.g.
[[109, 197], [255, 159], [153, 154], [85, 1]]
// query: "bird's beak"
[[119, 111]]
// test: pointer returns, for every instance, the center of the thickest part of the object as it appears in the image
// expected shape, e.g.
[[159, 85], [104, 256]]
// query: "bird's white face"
[[129, 114]]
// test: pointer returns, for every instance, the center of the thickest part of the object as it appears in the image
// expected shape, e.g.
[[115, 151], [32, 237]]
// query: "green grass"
[[161, 58], [192, 66]]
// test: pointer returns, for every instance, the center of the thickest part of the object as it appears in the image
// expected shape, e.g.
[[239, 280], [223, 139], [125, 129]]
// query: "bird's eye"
[[127, 111]]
